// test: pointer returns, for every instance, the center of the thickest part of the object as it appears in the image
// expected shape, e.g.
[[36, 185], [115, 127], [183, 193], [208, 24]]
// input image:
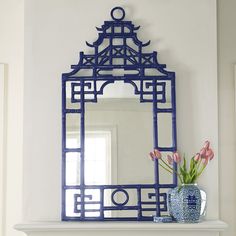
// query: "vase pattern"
[[184, 203]]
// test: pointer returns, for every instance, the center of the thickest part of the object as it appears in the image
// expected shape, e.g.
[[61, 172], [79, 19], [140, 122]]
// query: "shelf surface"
[[207, 225]]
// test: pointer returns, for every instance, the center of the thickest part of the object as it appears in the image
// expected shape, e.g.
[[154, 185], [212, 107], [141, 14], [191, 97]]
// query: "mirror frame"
[[85, 89]]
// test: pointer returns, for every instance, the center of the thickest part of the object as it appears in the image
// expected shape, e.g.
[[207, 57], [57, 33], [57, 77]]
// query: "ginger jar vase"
[[185, 203]]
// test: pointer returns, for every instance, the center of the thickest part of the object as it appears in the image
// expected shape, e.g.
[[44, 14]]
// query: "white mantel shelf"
[[208, 225]]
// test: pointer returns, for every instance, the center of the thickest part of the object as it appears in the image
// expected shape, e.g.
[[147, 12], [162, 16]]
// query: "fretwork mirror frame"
[[85, 88]]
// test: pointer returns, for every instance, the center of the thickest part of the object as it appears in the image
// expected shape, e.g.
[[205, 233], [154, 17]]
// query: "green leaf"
[[184, 165], [193, 177], [187, 179], [183, 173], [192, 164]]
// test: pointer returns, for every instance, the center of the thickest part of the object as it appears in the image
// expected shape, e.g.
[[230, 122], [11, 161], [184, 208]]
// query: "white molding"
[[235, 88], [2, 145], [208, 225]]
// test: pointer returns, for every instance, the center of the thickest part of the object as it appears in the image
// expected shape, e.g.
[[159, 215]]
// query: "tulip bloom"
[[176, 157], [151, 154], [205, 161], [187, 174], [209, 154], [169, 159], [157, 154], [206, 145], [203, 152], [197, 157]]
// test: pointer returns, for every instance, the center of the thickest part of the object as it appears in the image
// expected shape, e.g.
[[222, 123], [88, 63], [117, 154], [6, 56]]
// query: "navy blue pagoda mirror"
[[95, 186]]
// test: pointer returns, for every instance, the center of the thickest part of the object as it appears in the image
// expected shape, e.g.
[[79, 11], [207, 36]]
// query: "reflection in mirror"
[[118, 136], [133, 124], [119, 127]]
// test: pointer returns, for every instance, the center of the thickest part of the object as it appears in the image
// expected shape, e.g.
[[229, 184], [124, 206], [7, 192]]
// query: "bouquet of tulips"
[[186, 175]]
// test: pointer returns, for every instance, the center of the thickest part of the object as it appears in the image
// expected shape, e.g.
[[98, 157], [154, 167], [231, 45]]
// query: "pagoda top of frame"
[[118, 47], [117, 28]]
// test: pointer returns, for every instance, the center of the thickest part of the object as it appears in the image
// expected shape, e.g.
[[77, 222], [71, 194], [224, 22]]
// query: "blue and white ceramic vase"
[[185, 203]]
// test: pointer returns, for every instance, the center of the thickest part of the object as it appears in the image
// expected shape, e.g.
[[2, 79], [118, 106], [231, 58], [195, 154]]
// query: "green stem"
[[199, 163], [196, 170], [169, 167], [170, 171], [201, 170], [180, 178], [167, 164], [165, 168]]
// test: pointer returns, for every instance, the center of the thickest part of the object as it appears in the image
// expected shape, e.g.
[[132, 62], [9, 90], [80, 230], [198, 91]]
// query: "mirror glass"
[[118, 138]]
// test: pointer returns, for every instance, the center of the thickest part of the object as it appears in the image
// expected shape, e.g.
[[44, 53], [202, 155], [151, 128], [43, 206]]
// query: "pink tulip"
[[197, 157], [205, 161], [151, 154], [157, 154], [203, 152], [209, 154], [176, 157], [206, 145], [169, 159]]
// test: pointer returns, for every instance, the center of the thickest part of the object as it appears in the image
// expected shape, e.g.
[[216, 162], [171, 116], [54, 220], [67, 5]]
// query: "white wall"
[[3, 132], [227, 59], [184, 34], [12, 54], [67, 48]]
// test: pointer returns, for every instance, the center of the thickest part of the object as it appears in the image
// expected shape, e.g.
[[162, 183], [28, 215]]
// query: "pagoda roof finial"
[[117, 13]]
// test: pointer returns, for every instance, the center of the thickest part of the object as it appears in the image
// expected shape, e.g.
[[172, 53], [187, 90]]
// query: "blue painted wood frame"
[[84, 89]]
